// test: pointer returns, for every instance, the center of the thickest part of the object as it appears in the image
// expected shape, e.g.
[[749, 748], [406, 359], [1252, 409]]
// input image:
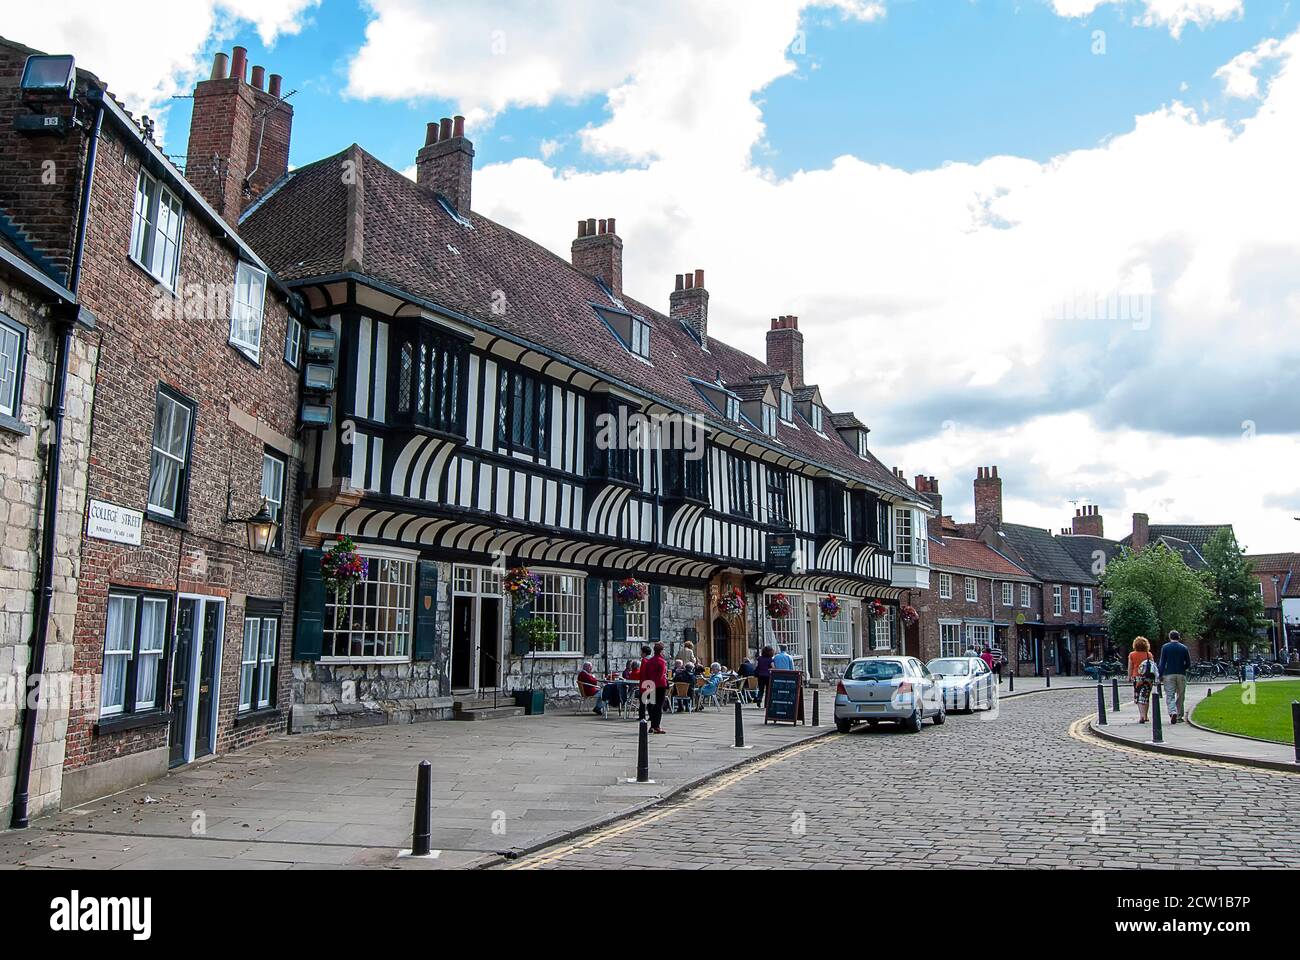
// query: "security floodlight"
[[44, 73]]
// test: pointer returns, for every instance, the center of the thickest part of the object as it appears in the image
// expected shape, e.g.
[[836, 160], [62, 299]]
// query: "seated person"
[[716, 670], [589, 685], [682, 673], [633, 670], [746, 668]]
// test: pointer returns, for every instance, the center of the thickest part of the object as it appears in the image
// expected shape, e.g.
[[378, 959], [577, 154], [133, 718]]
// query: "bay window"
[[778, 497], [373, 620], [522, 412], [431, 387]]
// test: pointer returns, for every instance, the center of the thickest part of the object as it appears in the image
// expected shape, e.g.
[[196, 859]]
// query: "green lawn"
[[1268, 718]]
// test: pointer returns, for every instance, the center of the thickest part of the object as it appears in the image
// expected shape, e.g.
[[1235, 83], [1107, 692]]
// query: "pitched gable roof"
[[1038, 552], [1084, 548], [1196, 535], [973, 556], [317, 222]]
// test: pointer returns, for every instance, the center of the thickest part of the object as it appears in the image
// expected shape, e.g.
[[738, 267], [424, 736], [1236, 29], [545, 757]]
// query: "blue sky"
[[915, 89]]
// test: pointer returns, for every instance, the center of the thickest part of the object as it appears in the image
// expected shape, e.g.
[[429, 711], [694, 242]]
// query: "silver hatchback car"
[[898, 689], [966, 683]]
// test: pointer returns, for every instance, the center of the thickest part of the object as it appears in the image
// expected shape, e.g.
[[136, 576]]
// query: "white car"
[[966, 683], [898, 689]]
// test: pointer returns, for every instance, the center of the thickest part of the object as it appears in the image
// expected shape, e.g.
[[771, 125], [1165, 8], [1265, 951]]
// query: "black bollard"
[[1114, 689], [817, 720], [1011, 683], [1101, 705], [740, 728], [1157, 734], [1047, 671], [643, 753], [423, 811], [1295, 727]]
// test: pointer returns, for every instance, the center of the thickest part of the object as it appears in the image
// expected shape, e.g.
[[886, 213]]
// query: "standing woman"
[[764, 672], [1142, 672]]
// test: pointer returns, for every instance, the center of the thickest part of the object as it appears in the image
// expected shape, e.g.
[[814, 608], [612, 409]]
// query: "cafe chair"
[[709, 692], [681, 697]]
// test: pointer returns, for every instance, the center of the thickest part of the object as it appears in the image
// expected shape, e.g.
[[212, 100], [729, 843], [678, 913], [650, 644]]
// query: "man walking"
[[783, 660], [1174, 661]]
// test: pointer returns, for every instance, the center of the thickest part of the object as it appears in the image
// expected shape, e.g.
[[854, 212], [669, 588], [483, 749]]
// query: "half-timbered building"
[[464, 429]]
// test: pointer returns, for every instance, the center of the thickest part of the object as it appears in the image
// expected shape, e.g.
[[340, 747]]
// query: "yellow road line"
[[1081, 731], [710, 789]]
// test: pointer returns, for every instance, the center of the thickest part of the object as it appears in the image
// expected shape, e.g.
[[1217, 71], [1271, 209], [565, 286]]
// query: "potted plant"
[[779, 607], [629, 591], [342, 568], [829, 606], [536, 635]]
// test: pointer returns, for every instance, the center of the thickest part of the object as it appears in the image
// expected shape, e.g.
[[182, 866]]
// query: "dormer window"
[[862, 444], [733, 408], [640, 338], [787, 406], [769, 419], [817, 418], [632, 332]]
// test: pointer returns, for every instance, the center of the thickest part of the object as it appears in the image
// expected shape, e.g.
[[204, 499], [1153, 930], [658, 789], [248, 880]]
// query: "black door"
[[722, 643], [462, 643], [489, 644], [181, 662], [207, 671]]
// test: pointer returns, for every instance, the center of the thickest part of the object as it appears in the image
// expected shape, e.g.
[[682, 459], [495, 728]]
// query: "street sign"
[[785, 697]]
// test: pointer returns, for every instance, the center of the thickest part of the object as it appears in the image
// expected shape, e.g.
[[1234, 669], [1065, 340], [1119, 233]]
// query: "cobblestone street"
[[1028, 787]]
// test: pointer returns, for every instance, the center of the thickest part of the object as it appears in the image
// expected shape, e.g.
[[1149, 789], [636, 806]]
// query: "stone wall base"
[[110, 776], [313, 717]]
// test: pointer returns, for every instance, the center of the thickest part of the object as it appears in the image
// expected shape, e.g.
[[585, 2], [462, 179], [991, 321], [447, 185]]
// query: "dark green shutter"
[[591, 639], [426, 611], [309, 638], [518, 644], [620, 621], [654, 600]]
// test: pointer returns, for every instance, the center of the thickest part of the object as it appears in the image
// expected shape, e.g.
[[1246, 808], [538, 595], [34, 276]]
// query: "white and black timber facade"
[[472, 369]]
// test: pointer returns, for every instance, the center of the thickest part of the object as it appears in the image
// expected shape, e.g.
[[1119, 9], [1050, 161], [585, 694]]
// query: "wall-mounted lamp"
[[261, 527]]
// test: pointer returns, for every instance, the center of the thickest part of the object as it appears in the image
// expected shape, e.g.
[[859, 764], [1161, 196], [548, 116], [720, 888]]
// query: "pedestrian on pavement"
[[987, 657], [1174, 661], [654, 684], [764, 673], [642, 696], [1142, 674], [783, 660]]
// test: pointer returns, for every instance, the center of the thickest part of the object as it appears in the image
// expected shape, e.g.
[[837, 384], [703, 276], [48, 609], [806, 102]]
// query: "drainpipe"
[[54, 460]]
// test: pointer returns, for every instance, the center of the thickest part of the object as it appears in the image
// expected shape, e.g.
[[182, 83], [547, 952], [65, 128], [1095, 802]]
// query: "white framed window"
[[836, 635], [135, 639], [273, 492], [156, 227], [170, 462], [862, 444], [1008, 594], [817, 418], [246, 309], [978, 634], [257, 663], [950, 639], [1024, 595], [791, 630], [945, 586], [637, 616], [640, 338], [787, 406], [13, 349], [375, 622], [769, 419], [1074, 599], [903, 540], [733, 408], [882, 630], [1087, 599], [560, 601], [293, 342], [1056, 599], [972, 590]]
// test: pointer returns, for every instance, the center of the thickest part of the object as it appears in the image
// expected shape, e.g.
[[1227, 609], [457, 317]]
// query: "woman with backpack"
[[1142, 671]]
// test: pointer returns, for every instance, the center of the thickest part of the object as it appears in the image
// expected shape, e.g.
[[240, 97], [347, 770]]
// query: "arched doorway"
[[721, 646]]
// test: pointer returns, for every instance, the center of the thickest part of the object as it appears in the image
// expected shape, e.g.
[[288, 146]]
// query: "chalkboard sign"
[[780, 552], [785, 697]]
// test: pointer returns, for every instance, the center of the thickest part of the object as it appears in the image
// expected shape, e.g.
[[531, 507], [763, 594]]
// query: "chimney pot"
[[603, 227], [444, 167], [273, 87], [681, 283], [598, 253], [431, 133], [690, 281], [591, 226], [259, 77], [582, 228], [220, 63], [444, 129], [699, 278], [238, 62], [611, 225], [458, 126]]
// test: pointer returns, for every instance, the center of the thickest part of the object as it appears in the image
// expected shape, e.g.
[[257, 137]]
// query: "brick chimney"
[[689, 302], [598, 251], [988, 497], [445, 164], [785, 348], [239, 135], [1087, 522], [1141, 533], [928, 487]]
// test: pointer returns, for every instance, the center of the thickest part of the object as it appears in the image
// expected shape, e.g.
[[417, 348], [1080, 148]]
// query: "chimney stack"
[[928, 487], [785, 348], [598, 252], [445, 164], [1141, 531], [239, 136], [689, 303], [988, 498], [1087, 522]]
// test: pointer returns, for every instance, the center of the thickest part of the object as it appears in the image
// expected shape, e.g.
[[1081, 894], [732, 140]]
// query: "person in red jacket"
[[987, 657], [654, 685], [641, 698]]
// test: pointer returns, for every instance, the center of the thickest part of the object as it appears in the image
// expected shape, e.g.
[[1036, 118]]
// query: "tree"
[[1175, 591], [1236, 610], [1131, 615]]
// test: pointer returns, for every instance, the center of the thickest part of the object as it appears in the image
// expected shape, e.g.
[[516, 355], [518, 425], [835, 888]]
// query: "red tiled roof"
[[959, 553], [397, 232]]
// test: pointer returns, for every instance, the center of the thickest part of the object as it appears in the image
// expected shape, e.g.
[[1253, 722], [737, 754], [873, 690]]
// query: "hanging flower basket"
[[877, 608], [630, 591], [829, 606], [731, 603], [909, 615], [779, 607], [522, 584], [342, 568]]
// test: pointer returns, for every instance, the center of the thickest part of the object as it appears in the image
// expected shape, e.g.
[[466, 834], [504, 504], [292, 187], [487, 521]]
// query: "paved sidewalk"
[[337, 800], [1184, 739]]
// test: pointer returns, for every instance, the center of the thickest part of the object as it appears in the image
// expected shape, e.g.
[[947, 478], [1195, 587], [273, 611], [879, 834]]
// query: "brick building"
[[192, 430], [1278, 578]]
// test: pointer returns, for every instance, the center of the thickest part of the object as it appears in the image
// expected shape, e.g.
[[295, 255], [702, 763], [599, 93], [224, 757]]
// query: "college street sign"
[[108, 521]]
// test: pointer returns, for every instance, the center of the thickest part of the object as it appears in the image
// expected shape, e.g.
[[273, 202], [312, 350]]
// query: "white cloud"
[[1173, 14], [144, 50], [1239, 75]]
